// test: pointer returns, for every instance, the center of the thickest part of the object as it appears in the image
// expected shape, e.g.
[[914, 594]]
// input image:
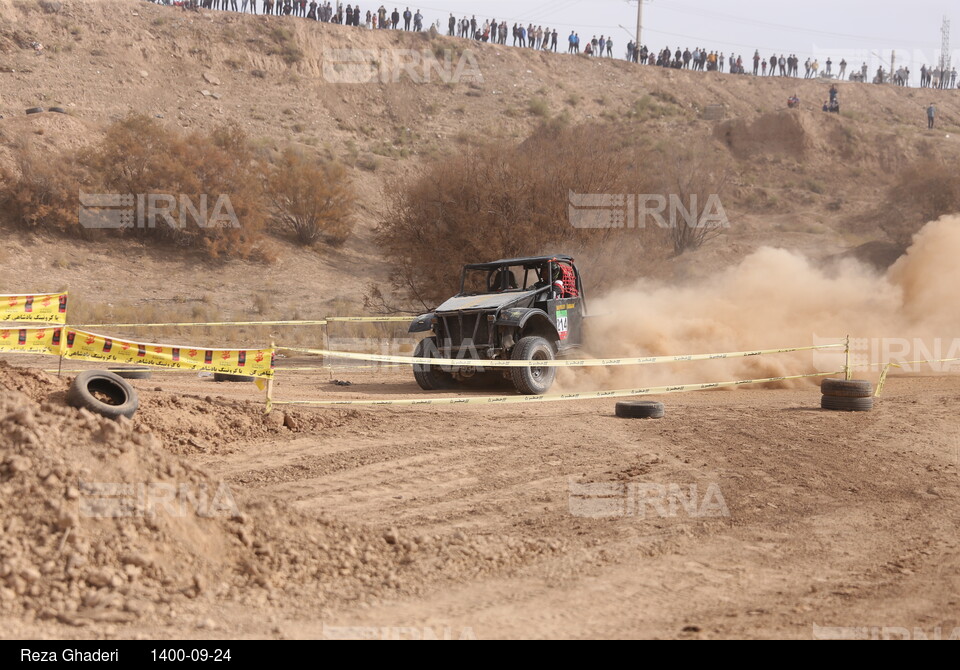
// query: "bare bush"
[[200, 175], [695, 176], [43, 196], [313, 200], [500, 202]]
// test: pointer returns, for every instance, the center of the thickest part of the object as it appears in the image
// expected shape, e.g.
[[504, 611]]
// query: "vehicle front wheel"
[[430, 377], [533, 380]]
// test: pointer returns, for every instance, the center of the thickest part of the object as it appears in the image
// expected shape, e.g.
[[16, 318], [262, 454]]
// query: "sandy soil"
[[834, 519]]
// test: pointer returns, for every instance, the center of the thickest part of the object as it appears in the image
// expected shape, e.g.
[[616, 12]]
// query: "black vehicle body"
[[501, 304]]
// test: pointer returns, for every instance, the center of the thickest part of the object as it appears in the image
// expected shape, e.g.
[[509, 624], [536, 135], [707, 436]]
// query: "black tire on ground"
[[235, 379], [842, 388], [35, 110], [640, 409], [104, 393], [430, 377], [838, 404], [57, 110], [133, 372], [533, 381]]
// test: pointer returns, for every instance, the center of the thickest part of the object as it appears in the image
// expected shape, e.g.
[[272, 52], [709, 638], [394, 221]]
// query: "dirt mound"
[[783, 132], [194, 424], [102, 524]]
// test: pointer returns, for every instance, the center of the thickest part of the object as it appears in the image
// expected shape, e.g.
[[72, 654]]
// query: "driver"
[[557, 282], [503, 280]]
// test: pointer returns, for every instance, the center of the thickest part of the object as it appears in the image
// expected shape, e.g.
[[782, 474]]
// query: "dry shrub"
[[697, 176], [923, 192], [214, 175], [140, 156], [502, 202], [312, 200], [43, 195]]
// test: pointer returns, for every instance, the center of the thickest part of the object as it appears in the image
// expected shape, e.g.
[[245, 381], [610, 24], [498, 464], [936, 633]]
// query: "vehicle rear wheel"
[[533, 380], [430, 377]]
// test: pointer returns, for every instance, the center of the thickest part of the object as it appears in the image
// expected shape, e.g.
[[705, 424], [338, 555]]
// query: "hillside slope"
[[803, 176]]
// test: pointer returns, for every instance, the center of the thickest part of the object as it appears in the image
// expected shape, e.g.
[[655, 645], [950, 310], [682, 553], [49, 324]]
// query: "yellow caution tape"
[[42, 307], [82, 345], [592, 395], [370, 319], [593, 362], [902, 363], [211, 323], [886, 369]]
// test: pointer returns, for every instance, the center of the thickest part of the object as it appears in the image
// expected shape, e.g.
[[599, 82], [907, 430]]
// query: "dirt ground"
[[800, 518], [745, 513]]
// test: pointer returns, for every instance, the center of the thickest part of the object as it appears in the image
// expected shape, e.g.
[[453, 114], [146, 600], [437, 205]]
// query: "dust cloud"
[[779, 299]]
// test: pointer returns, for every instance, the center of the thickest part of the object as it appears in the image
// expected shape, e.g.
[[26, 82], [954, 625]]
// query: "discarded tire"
[[841, 404], [640, 410], [236, 379], [103, 393], [132, 372], [842, 388], [57, 110], [35, 110]]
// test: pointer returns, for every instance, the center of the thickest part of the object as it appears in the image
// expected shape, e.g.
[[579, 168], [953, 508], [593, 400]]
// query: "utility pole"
[[945, 45], [639, 22]]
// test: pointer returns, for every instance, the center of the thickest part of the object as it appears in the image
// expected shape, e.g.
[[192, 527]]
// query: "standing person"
[[553, 41], [407, 17], [931, 116], [571, 40], [452, 25], [773, 65], [756, 62], [720, 62], [953, 78], [609, 47], [843, 68], [395, 19], [829, 66]]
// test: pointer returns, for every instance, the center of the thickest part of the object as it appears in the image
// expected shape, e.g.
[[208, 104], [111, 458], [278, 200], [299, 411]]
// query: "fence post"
[[847, 369], [269, 409], [325, 344]]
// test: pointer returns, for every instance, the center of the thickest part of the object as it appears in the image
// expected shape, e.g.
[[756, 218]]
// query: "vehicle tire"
[[640, 409], [104, 393], [57, 110], [137, 372], [35, 110], [430, 377], [840, 404], [842, 388], [234, 379], [533, 381]]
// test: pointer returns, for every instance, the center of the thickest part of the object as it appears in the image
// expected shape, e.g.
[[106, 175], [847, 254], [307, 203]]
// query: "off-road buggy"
[[516, 309]]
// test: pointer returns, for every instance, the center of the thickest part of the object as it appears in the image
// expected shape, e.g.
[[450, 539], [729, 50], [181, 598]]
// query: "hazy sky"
[[851, 29]]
